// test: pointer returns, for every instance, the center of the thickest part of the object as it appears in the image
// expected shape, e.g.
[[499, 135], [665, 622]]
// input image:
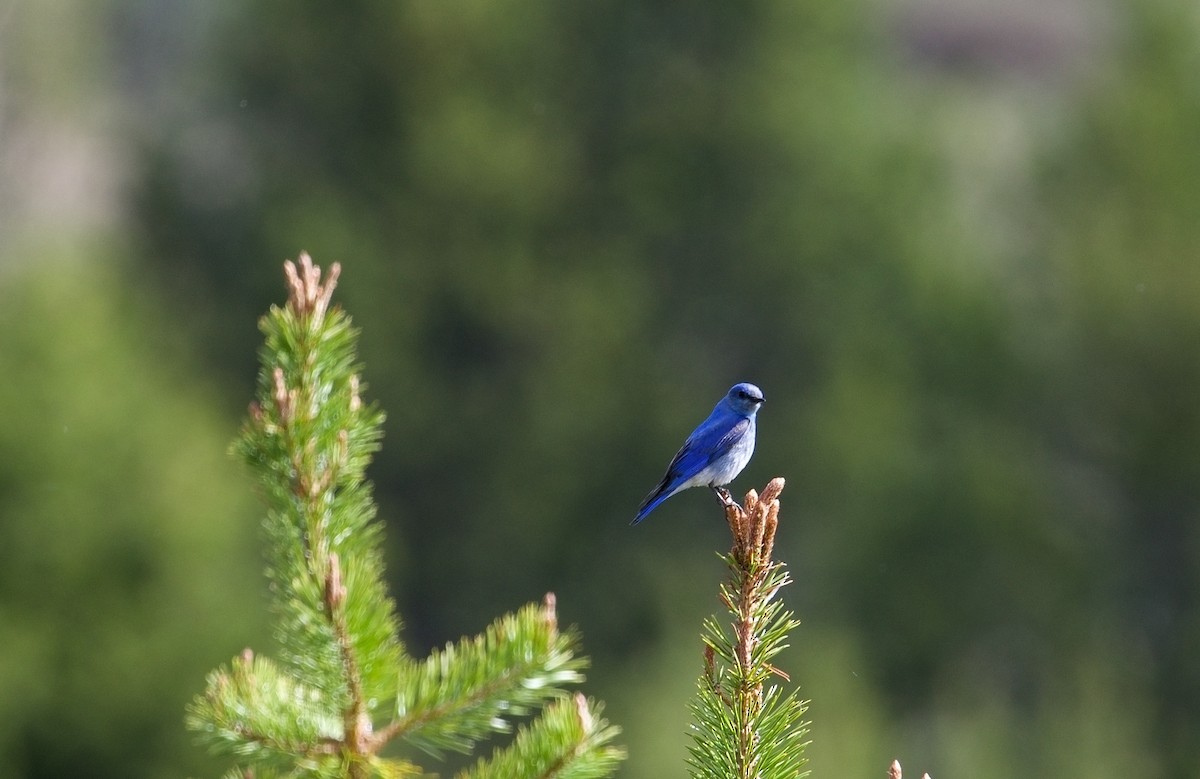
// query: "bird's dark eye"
[[743, 394]]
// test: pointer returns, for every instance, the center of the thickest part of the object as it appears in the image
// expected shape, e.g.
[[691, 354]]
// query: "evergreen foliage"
[[746, 727], [343, 687]]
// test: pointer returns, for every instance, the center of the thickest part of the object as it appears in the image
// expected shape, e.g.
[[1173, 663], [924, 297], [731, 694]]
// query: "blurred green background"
[[956, 242]]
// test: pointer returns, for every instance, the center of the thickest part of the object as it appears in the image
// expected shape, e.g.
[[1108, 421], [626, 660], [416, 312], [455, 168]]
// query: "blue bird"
[[714, 453]]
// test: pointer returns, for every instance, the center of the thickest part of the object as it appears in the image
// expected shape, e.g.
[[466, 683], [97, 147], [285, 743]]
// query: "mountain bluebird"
[[714, 453]]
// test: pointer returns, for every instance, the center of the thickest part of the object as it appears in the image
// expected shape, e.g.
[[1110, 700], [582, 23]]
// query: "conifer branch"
[[356, 721], [342, 668], [519, 662], [745, 727], [253, 706], [569, 741]]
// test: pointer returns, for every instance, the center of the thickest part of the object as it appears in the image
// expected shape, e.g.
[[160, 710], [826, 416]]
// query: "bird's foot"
[[724, 496]]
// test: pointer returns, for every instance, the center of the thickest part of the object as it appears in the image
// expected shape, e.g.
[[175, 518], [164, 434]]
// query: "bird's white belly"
[[724, 470]]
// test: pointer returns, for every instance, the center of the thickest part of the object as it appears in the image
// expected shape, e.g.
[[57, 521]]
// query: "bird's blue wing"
[[708, 442], [731, 437]]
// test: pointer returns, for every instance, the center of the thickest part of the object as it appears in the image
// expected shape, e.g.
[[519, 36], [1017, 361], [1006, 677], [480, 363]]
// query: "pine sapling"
[[745, 726], [343, 688]]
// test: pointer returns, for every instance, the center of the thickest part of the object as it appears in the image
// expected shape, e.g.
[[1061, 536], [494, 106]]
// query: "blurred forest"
[[957, 243]]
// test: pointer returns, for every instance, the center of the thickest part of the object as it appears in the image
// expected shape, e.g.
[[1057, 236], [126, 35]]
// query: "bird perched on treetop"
[[714, 453]]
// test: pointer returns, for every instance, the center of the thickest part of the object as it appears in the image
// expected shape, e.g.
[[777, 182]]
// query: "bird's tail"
[[651, 502]]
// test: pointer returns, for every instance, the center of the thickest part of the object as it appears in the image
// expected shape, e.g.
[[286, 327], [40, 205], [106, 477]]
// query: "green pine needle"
[[569, 741], [469, 690], [253, 710]]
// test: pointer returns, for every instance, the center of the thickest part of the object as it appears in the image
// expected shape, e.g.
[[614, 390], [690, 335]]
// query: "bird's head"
[[745, 398]]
